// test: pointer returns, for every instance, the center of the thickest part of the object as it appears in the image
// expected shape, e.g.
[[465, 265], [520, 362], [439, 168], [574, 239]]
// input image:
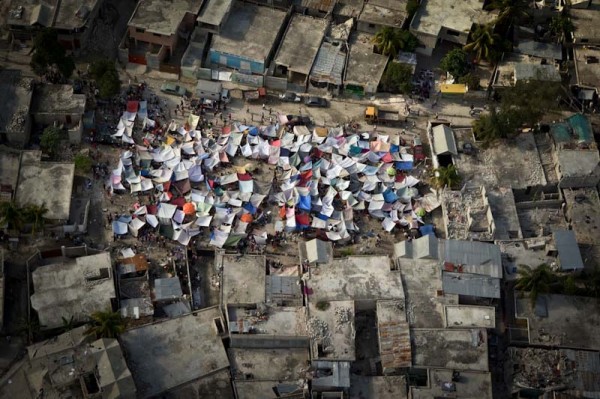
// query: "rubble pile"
[[541, 368], [342, 315], [318, 330], [17, 123]]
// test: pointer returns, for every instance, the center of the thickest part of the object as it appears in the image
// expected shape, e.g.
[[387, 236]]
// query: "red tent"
[[132, 106]]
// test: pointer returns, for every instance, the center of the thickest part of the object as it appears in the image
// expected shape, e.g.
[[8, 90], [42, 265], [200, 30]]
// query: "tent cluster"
[[320, 179]]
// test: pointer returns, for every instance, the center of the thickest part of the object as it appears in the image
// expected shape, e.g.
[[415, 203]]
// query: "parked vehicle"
[[225, 96], [172, 88], [254, 95], [290, 97], [209, 89], [297, 120], [374, 115], [316, 102]]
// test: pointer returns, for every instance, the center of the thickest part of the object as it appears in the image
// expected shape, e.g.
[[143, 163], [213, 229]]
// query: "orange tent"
[[189, 208], [246, 218]]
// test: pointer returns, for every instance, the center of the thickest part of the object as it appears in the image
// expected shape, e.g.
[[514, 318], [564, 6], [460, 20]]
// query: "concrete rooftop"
[[243, 278], [164, 355], [577, 163], [45, 183], [586, 70], [250, 31], [586, 23], [289, 364], [301, 43], [64, 14], [332, 331], [281, 321], [355, 278], [74, 288], [57, 99], [471, 385], [423, 285], [67, 16], [252, 389], [214, 11], [464, 316], [9, 168], [364, 66], [163, 16], [15, 96], [394, 335], [386, 387], [450, 349], [583, 212], [384, 12], [457, 15], [561, 320]]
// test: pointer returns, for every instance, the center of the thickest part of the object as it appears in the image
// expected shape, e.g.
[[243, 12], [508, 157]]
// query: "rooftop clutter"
[[317, 179]]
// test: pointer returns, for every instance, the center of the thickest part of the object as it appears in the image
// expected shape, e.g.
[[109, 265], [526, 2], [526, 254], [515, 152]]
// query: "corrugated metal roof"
[[329, 64], [340, 374], [443, 140], [167, 288], [470, 285], [569, 256], [474, 256]]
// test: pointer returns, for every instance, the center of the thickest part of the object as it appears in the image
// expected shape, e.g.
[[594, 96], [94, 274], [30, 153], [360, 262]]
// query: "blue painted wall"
[[234, 61]]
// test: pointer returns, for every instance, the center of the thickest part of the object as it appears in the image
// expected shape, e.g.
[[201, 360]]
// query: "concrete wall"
[[169, 41], [237, 62], [460, 39], [579, 181], [76, 133], [49, 119], [267, 341]]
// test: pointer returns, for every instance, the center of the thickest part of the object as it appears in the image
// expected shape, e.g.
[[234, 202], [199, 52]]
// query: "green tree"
[[592, 283], [510, 12], [83, 163], [536, 282], [106, 76], [11, 215], [485, 44], [397, 78], [48, 52], [446, 176], [456, 63], [495, 125], [411, 8], [50, 139], [471, 80], [106, 324], [570, 286], [529, 101], [390, 41], [35, 214], [561, 27], [30, 327]]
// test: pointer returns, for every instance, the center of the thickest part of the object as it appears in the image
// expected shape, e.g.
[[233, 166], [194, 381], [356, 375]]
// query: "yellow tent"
[[453, 88]]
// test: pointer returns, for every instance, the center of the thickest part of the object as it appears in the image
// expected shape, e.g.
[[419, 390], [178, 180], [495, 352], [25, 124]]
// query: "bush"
[[456, 63], [397, 78], [411, 8], [48, 52], [83, 163], [471, 80], [106, 76], [322, 305], [51, 139]]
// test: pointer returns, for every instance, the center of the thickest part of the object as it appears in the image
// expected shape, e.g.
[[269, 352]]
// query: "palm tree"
[[11, 215], [510, 12], [106, 324], [388, 41], [35, 214], [484, 43], [536, 281], [446, 176]]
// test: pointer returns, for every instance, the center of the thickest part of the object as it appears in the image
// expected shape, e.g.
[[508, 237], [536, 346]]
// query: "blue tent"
[[394, 148], [323, 217], [390, 196], [427, 229], [253, 131], [304, 203], [404, 165], [250, 208]]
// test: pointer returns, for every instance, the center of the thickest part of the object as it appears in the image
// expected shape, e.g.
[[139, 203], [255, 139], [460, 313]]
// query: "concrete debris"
[[17, 123], [319, 331], [542, 369], [342, 315]]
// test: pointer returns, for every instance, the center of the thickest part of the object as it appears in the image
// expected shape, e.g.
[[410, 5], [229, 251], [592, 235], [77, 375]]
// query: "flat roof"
[[561, 320], [462, 316], [274, 320], [474, 257], [301, 42], [578, 162], [287, 364], [384, 12], [583, 211], [355, 278], [526, 71], [72, 289], [216, 385], [45, 183], [586, 66], [332, 332], [57, 99], [380, 387], [393, 334], [422, 280], [9, 168], [214, 11], [164, 355], [73, 13], [364, 66], [163, 16], [585, 21], [329, 64], [470, 385], [450, 349], [250, 31], [549, 51], [253, 389], [460, 16], [243, 278], [569, 256], [15, 96], [349, 8], [476, 285]]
